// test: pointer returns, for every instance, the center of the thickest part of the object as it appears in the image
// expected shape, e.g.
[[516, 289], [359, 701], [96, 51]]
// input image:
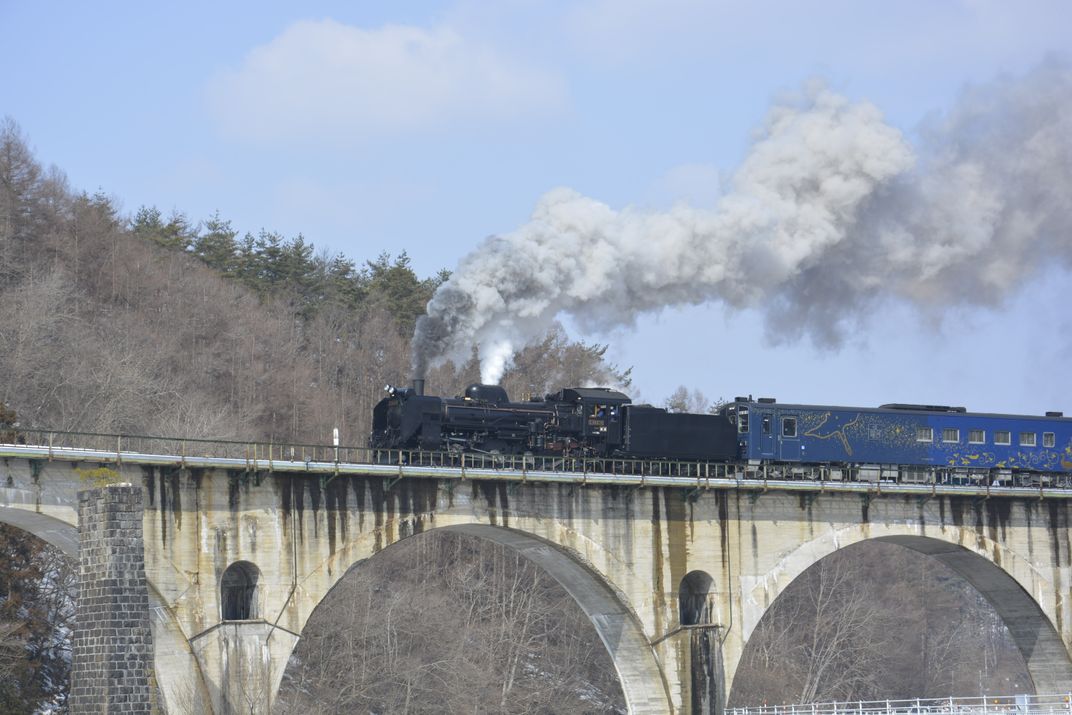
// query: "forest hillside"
[[147, 324]]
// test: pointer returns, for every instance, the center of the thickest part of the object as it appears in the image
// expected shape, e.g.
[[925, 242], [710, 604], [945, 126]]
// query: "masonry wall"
[[113, 647]]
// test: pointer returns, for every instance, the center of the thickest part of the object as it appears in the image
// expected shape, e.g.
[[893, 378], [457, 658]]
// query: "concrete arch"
[[49, 529], [1022, 597], [178, 674], [641, 679]]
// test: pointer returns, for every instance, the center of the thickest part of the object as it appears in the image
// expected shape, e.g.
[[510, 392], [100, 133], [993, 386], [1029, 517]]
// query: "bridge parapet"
[[330, 461]]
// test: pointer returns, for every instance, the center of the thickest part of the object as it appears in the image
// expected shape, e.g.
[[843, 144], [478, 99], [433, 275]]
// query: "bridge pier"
[[708, 685], [249, 658], [113, 647]]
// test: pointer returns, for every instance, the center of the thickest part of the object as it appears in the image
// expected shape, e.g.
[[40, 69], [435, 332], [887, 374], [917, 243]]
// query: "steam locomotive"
[[576, 421], [600, 422]]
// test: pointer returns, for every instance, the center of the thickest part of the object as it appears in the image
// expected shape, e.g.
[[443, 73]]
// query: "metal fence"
[[292, 456], [982, 705]]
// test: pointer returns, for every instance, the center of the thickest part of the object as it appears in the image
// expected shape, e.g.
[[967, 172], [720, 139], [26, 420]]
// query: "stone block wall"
[[113, 647]]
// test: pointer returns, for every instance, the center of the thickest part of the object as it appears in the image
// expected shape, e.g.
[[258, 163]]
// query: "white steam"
[[494, 361], [831, 210]]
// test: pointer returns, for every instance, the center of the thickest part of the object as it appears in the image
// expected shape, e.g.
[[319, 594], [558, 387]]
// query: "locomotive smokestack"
[[418, 386]]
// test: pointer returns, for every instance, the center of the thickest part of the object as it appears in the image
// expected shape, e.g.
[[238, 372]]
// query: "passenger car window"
[[1048, 439], [950, 434], [789, 426], [766, 424], [1027, 439], [977, 436], [924, 434], [742, 420], [1002, 437]]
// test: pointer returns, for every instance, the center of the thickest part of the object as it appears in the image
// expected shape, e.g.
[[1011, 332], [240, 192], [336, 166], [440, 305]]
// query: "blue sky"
[[429, 126]]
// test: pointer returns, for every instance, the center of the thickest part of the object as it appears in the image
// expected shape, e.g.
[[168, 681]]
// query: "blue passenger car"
[[897, 434]]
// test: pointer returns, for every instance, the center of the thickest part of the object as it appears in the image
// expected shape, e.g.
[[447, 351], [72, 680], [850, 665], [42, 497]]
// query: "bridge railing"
[[270, 455], [251, 451], [267, 453], [982, 705]]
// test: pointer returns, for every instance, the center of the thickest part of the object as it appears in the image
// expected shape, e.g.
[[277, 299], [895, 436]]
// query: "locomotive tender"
[[603, 423]]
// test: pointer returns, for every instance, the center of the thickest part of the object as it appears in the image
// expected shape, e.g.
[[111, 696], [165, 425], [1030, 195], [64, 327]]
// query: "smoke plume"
[[831, 210]]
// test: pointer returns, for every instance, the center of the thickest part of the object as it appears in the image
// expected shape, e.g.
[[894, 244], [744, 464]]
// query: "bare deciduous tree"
[[877, 621], [445, 623], [11, 649]]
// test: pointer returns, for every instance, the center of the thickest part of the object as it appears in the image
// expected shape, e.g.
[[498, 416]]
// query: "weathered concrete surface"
[[1015, 551], [621, 551], [304, 538]]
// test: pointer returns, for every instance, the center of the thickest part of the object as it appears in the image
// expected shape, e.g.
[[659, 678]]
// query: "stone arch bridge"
[[674, 573]]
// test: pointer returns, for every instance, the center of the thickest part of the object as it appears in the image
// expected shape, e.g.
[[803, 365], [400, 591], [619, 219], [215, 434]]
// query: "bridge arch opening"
[[629, 667], [239, 592], [38, 590], [869, 615], [695, 600]]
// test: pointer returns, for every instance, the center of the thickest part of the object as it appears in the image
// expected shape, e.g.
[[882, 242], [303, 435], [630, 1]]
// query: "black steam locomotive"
[[576, 421]]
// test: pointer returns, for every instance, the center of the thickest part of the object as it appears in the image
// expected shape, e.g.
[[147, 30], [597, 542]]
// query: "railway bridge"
[[675, 565]]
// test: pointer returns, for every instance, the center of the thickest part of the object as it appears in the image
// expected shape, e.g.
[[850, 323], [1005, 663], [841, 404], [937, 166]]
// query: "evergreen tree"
[[341, 283], [177, 234], [395, 286], [147, 223], [216, 246], [246, 262]]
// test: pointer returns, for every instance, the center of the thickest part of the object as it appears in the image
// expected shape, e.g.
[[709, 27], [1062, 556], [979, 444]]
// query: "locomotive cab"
[[592, 416]]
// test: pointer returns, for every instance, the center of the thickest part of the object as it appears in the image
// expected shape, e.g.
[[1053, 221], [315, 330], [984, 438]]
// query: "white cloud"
[[324, 81]]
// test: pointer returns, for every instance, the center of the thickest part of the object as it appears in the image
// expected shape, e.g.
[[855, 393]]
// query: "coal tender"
[[576, 421]]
